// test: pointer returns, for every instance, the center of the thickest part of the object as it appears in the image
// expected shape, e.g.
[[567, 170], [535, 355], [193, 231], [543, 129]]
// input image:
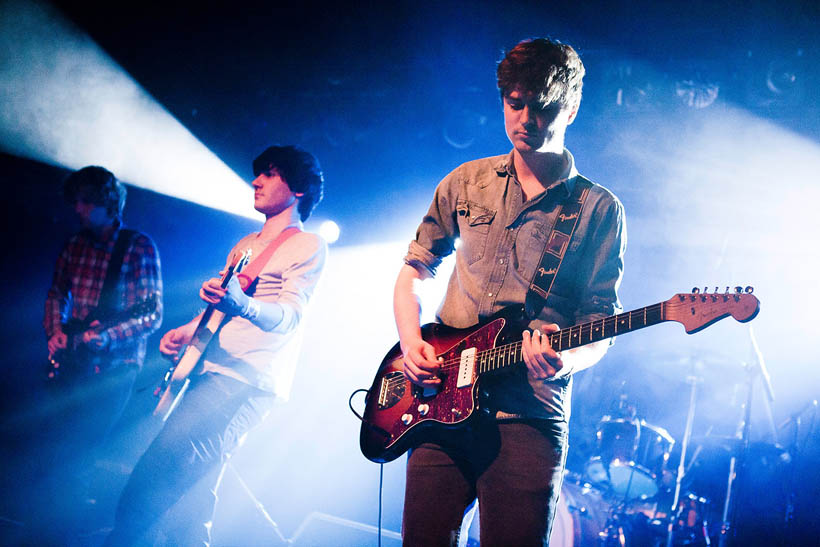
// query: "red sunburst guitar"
[[398, 413]]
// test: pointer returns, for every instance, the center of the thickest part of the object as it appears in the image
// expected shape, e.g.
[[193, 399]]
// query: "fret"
[[572, 337]]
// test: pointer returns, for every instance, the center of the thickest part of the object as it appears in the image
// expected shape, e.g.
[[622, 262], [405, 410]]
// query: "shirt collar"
[[107, 236], [505, 167]]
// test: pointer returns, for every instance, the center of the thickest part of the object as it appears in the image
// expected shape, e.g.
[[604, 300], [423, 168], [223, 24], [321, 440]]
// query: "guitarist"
[[104, 269], [502, 210], [250, 361]]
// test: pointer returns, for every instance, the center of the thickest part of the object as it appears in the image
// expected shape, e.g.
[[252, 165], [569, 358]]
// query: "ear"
[[573, 113]]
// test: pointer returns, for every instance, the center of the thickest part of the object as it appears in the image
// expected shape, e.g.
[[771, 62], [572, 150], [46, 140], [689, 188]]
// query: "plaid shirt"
[[78, 281]]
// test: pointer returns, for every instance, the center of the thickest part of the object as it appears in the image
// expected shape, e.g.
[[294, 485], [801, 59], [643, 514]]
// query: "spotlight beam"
[[64, 101]]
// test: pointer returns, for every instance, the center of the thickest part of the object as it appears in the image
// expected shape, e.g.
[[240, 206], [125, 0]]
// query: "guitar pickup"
[[466, 368]]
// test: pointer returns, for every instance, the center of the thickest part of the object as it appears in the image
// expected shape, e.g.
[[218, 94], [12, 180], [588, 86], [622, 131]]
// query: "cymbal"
[[734, 446], [679, 367]]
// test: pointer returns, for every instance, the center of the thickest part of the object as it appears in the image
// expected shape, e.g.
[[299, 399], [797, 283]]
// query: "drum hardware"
[[632, 456], [739, 461], [687, 434]]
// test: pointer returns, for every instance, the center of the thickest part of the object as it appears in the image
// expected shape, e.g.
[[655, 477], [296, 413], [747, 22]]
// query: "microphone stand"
[[687, 433]]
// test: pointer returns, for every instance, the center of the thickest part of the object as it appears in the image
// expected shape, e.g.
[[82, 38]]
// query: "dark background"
[[392, 96]]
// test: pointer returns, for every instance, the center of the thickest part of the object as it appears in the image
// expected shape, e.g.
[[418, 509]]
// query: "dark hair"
[[299, 169], [548, 68], [97, 185]]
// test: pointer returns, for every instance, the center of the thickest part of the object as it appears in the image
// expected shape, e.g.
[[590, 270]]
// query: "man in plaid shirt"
[[93, 392], [98, 199]]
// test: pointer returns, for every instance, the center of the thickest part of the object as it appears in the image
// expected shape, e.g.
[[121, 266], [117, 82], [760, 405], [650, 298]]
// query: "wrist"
[[252, 310]]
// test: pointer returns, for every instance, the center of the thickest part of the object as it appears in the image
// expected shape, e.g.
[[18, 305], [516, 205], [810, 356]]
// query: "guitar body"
[[191, 356], [77, 360], [399, 414]]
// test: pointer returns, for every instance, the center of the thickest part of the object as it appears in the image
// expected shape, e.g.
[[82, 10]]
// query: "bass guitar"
[[399, 413], [77, 360], [177, 377]]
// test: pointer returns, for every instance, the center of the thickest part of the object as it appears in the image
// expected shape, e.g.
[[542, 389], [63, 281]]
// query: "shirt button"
[[489, 294], [501, 261]]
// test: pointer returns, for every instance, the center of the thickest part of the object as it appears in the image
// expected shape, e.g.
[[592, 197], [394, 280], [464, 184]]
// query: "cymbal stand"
[[738, 464], [687, 434]]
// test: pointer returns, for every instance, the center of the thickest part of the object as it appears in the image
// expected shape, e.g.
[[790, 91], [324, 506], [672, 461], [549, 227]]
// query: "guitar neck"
[[509, 355]]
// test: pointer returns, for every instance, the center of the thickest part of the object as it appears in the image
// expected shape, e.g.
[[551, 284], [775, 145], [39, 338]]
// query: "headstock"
[[699, 309]]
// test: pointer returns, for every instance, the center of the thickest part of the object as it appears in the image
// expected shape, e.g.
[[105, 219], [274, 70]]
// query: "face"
[[531, 127], [272, 194], [92, 216]]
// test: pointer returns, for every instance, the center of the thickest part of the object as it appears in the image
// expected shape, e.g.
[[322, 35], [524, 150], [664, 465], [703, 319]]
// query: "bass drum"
[[580, 516]]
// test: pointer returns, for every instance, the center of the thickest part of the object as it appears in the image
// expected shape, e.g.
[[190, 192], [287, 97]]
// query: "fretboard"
[[572, 337]]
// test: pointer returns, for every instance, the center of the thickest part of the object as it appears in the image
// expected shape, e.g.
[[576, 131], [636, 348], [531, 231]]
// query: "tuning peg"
[[696, 290], [749, 289], [738, 289], [727, 289]]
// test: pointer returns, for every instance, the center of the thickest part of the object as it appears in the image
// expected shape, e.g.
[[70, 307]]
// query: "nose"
[[527, 116], [256, 182]]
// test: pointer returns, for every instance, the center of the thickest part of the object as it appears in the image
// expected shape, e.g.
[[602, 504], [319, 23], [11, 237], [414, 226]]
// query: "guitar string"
[[484, 357], [514, 347]]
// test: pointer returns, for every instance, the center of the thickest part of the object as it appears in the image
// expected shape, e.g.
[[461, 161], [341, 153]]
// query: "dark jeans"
[[513, 468], [78, 418], [210, 421]]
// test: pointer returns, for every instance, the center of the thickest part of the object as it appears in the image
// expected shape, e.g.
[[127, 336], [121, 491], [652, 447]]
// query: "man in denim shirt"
[[502, 209]]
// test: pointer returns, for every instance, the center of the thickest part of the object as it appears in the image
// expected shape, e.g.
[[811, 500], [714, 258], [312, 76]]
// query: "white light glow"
[[64, 101], [329, 231]]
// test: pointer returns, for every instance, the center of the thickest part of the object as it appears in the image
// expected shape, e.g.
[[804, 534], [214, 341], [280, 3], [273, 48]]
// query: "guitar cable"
[[381, 469]]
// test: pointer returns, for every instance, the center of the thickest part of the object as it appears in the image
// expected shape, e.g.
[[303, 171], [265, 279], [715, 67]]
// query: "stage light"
[[695, 93], [329, 231], [64, 101]]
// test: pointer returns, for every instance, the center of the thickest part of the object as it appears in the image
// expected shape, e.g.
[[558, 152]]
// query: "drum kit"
[[640, 487], [626, 494]]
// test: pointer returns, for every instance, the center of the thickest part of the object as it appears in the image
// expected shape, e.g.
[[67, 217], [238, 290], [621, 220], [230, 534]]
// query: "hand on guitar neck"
[[175, 339]]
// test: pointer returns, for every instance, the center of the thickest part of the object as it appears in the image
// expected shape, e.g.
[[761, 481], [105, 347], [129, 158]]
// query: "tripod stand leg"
[[254, 499]]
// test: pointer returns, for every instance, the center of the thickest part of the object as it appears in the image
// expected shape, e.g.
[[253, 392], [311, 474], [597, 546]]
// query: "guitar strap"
[[251, 272], [107, 301], [556, 247]]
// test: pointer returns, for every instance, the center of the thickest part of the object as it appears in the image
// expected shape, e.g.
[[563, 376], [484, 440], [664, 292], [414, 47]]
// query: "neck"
[[104, 231], [274, 224], [545, 167]]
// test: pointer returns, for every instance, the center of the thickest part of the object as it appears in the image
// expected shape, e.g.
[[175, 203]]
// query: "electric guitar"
[[398, 413], [77, 360], [177, 377]]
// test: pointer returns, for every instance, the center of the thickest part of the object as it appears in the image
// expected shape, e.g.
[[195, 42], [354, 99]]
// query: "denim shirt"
[[502, 239]]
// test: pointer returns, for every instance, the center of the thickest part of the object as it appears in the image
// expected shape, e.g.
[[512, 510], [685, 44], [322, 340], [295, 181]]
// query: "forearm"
[[406, 306], [265, 315], [578, 359]]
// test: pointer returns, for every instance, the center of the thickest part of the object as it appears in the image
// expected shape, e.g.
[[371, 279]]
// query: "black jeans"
[[513, 468], [210, 421]]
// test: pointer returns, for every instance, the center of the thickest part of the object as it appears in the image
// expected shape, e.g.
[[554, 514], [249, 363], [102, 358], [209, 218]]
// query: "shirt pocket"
[[474, 223]]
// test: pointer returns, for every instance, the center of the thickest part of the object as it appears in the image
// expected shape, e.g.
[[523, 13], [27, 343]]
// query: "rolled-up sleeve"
[[438, 231]]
